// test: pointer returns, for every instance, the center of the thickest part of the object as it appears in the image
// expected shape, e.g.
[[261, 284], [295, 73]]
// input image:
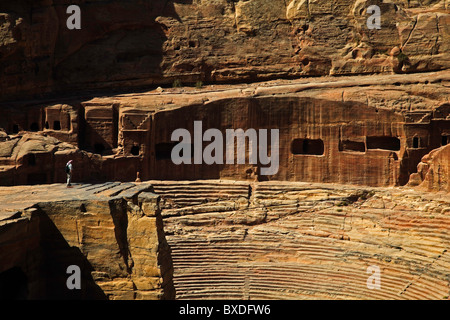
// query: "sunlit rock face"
[[216, 239], [135, 43], [342, 178]]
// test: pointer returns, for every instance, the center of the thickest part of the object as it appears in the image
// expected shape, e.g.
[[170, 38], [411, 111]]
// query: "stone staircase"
[[141, 122], [186, 193], [308, 242], [146, 118]]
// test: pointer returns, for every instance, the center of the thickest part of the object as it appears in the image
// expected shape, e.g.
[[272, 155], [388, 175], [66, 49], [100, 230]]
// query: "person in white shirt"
[[69, 172]]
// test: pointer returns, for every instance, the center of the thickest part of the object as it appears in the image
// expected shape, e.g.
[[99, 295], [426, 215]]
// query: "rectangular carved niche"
[[383, 142], [307, 147], [355, 146]]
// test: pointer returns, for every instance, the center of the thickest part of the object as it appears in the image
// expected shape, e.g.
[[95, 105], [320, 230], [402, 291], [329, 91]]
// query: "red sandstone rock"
[[135, 43], [433, 171], [240, 238]]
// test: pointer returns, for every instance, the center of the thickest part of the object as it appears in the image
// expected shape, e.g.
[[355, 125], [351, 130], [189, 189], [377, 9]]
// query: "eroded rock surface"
[[225, 240], [135, 43], [113, 232], [433, 171]]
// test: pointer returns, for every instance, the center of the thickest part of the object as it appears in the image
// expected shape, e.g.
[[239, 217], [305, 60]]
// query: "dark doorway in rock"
[[15, 128], [348, 145], [34, 127], [99, 148], [444, 140], [415, 142], [31, 159], [163, 151], [56, 125], [307, 147], [384, 142], [135, 150]]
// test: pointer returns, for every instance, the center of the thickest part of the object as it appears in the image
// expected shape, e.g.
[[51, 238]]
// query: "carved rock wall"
[[299, 121], [374, 131]]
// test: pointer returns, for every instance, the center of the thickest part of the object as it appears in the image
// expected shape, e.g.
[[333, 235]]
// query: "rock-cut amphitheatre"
[[359, 207]]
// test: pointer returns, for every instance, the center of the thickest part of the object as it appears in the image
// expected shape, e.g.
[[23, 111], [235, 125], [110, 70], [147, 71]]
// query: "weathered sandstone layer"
[[113, 232], [224, 240], [138, 43], [304, 241]]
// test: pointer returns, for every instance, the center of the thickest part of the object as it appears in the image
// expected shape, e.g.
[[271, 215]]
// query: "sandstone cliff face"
[[117, 242], [433, 172], [135, 43], [384, 122]]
